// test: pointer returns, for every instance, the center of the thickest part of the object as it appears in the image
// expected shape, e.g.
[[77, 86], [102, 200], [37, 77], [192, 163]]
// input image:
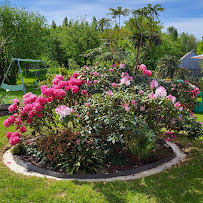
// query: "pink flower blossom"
[[74, 89], [41, 100], [37, 107], [154, 84], [60, 77], [16, 101], [114, 65], [177, 105], [31, 114], [133, 102], [109, 93], [111, 70], [23, 129], [199, 122], [55, 81], [14, 140], [96, 74], [88, 104], [126, 106], [84, 92], [147, 72], [39, 115], [10, 120], [161, 92], [142, 108], [13, 107], [8, 134], [171, 98], [63, 111], [141, 92], [96, 63], [180, 109], [95, 82], [75, 75], [152, 96], [121, 65], [78, 141], [115, 84], [89, 82], [88, 113], [142, 67], [189, 143]]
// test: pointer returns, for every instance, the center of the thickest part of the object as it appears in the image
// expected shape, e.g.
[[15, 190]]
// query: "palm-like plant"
[[118, 13]]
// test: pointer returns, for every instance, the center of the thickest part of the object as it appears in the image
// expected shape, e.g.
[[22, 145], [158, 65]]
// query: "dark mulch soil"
[[162, 151]]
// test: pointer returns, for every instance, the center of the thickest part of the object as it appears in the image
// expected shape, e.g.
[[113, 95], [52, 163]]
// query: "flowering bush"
[[104, 109]]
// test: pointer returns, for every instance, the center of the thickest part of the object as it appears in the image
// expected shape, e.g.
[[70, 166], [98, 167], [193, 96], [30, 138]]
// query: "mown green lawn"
[[182, 183]]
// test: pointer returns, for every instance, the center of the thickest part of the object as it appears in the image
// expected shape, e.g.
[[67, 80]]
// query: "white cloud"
[[190, 26]]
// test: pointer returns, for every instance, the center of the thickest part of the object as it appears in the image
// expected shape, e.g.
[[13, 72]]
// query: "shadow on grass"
[[179, 184]]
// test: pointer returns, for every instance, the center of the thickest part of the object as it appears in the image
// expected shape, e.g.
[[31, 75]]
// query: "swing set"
[[22, 86]]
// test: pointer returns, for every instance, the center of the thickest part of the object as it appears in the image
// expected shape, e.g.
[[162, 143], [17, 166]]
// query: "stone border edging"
[[146, 170]]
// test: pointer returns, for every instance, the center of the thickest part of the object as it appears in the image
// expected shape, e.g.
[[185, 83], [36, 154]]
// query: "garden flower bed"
[[101, 117]]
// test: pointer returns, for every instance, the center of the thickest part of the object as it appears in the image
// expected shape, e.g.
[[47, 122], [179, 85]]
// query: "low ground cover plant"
[[100, 114]]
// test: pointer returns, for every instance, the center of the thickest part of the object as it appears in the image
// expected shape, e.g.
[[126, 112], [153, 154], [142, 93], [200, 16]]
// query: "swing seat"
[[12, 87]]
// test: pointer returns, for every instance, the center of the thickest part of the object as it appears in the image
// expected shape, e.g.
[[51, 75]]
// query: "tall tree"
[[65, 21], [172, 32], [145, 30], [118, 13]]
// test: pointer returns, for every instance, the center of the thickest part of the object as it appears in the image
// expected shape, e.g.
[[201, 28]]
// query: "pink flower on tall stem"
[[109, 93]]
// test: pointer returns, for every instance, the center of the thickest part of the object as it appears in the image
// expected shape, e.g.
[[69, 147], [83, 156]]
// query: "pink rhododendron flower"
[[75, 75], [152, 96], [88, 104], [78, 141], [89, 82], [88, 113], [60, 77], [37, 107], [63, 111], [111, 70], [110, 93], [13, 107], [74, 89], [14, 140], [16, 101], [147, 72], [8, 134], [23, 129], [10, 120], [177, 105], [142, 67], [171, 98], [189, 143], [41, 100], [115, 84], [180, 109], [59, 93], [31, 114], [142, 108], [29, 98], [133, 102], [114, 65], [126, 106], [126, 79], [95, 82], [55, 81], [154, 84], [96, 74], [195, 91], [161, 92], [199, 122], [84, 92], [141, 92], [121, 65]]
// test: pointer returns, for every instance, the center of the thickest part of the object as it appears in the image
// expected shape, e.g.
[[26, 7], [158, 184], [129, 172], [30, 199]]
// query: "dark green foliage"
[[66, 152], [19, 149]]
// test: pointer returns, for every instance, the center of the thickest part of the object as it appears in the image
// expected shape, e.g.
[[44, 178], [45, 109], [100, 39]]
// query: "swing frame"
[[22, 86]]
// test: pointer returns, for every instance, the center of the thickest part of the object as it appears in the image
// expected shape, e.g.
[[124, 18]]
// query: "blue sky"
[[185, 15]]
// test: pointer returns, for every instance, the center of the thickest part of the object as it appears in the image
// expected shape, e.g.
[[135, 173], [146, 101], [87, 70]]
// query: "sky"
[[185, 15]]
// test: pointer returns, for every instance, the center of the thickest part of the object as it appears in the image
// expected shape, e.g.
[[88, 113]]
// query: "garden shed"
[[191, 64]]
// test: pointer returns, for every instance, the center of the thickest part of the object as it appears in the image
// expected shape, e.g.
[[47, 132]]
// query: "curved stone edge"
[[9, 161]]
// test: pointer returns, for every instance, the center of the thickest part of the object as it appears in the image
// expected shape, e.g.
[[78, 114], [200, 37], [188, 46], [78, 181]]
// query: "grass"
[[183, 183]]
